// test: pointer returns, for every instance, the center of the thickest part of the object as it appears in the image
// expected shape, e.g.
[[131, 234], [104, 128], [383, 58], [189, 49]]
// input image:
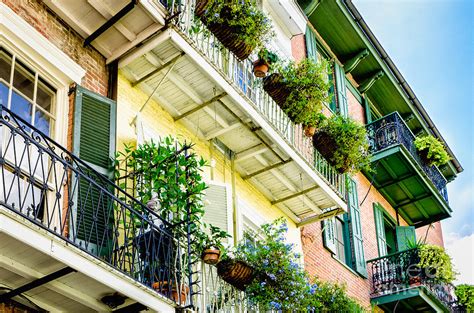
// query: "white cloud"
[[461, 249]]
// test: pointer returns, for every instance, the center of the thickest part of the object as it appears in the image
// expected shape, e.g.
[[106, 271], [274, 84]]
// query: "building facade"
[[80, 81]]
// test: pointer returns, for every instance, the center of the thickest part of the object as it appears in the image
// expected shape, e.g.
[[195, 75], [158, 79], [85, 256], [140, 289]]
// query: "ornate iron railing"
[[390, 131], [54, 189], [240, 74], [399, 273]]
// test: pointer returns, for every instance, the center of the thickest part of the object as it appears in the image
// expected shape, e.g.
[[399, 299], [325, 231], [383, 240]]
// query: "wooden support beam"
[[352, 63], [219, 132], [107, 13], [157, 70], [295, 195], [199, 107], [396, 181], [410, 201], [268, 168], [251, 152], [319, 217], [369, 82]]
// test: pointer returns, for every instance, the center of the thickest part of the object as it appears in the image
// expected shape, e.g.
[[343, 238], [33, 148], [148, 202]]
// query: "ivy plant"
[[435, 259], [432, 149], [465, 295], [308, 84]]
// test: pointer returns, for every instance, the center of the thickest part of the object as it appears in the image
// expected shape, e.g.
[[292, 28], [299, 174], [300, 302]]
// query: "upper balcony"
[[399, 284], [416, 190]]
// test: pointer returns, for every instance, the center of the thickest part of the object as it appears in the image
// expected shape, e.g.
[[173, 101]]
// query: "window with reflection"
[[25, 181]]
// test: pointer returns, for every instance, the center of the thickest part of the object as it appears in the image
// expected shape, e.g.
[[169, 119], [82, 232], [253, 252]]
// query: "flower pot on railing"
[[276, 89], [309, 131], [211, 255], [237, 273], [260, 68], [170, 290]]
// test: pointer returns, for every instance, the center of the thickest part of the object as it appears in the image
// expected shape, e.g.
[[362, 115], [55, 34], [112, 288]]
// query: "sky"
[[432, 44]]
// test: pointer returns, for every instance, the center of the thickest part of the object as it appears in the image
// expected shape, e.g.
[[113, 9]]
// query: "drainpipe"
[[401, 80]]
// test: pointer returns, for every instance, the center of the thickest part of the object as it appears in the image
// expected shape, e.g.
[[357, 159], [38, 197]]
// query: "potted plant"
[[178, 293], [465, 296], [431, 151], [239, 25], [300, 89], [265, 60], [236, 272], [343, 143], [436, 264], [212, 246]]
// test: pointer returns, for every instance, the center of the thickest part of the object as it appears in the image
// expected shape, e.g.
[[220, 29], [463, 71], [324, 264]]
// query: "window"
[[26, 93], [340, 238]]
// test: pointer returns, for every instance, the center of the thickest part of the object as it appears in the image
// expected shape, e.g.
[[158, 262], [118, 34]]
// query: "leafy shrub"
[[308, 84], [435, 257], [433, 149], [465, 295]]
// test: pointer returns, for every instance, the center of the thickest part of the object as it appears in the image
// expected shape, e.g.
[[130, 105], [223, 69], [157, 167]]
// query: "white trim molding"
[[16, 32]]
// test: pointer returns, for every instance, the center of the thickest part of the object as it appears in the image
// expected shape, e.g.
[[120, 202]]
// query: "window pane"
[[5, 66], [23, 80], [3, 94], [44, 96], [21, 107], [42, 122]]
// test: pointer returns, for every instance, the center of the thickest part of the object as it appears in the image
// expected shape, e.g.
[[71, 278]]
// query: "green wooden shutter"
[[356, 231], [368, 114], [329, 236], [380, 230], [217, 210], [332, 104], [311, 48], [341, 89], [405, 236], [94, 142]]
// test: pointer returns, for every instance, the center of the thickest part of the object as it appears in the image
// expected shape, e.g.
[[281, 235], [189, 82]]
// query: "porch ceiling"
[[183, 87]]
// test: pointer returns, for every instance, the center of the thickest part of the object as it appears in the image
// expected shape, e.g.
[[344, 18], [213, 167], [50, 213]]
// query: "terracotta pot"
[[172, 293], [309, 131], [276, 88], [237, 273], [260, 68], [211, 255], [415, 281]]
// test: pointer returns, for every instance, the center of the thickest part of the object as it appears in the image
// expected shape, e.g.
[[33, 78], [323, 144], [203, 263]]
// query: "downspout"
[[401, 80]]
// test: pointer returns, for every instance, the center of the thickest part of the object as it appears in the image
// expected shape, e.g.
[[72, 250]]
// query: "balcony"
[[399, 284], [69, 236], [416, 190]]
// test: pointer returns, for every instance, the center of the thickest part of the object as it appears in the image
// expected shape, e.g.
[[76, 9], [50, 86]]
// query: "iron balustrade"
[[399, 273], [240, 75], [54, 189], [390, 131]]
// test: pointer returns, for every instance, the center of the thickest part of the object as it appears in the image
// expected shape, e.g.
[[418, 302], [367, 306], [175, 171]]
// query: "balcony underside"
[[186, 88], [403, 183], [415, 299], [30, 253]]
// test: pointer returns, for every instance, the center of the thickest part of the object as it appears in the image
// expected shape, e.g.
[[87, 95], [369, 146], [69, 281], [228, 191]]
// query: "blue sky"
[[432, 44]]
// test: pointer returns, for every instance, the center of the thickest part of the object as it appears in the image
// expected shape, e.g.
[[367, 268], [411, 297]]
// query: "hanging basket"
[[276, 89], [260, 68], [211, 255], [424, 157], [225, 33], [237, 273], [326, 145], [309, 131]]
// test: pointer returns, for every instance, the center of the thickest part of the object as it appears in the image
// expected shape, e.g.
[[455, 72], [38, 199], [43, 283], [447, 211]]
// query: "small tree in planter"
[[238, 24], [264, 62], [300, 89], [431, 151], [343, 142], [211, 245]]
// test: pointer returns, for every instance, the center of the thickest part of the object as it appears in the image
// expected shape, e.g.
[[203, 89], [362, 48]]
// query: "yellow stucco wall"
[[130, 100]]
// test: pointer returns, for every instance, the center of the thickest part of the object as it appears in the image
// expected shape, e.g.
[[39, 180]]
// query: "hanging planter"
[[309, 131], [240, 26], [237, 273], [262, 65], [431, 151], [211, 255], [343, 143], [276, 88]]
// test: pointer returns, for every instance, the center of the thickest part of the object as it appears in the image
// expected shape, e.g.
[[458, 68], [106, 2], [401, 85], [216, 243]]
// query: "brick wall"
[[433, 234], [298, 47], [356, 110]]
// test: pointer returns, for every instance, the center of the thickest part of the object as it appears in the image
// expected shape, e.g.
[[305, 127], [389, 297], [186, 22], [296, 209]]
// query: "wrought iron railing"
[[240, 74], [54, 189], [391, 130], [399, 273]]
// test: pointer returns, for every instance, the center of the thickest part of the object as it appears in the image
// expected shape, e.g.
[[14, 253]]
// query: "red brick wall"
[[433, 234], [356, 110], [298, 47]]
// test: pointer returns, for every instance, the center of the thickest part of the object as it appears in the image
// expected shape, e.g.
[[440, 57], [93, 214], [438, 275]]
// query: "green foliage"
[[434, 149], [308, 84], [282, 283], [246, 20], [267, 56], [352, 147], [465, 295], [435, 257], [214, 239]]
